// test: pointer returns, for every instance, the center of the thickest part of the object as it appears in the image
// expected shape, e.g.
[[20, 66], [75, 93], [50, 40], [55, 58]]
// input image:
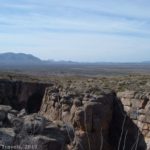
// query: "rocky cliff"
[[99, 119], [137, 106], [73, 116], [90, 115]]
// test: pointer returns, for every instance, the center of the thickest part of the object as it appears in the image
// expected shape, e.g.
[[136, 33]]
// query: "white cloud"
[[67, 28]]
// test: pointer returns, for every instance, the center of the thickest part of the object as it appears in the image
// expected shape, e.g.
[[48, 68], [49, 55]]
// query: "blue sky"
[[77, 30]]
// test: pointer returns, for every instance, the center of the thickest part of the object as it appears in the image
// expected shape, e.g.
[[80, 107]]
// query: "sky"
[[77, 30]]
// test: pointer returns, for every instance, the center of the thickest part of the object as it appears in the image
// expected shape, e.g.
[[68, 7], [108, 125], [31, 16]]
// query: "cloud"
[[75, 25], [74, 16]]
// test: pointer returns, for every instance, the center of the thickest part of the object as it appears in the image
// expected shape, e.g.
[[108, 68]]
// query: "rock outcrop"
[[31, 132], [97, 116], [137, 107], [90, 114]]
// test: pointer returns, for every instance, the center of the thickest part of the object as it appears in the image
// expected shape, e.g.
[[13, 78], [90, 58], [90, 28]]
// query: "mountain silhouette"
[[18, 59]]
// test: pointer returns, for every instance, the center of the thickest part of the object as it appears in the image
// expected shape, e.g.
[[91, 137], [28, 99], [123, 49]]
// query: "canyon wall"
[[74, 117], [99, 119], [19, 94], [137, 106]]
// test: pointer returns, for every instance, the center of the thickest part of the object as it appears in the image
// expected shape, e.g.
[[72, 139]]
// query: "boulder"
[[7, 136], [17, 124], [5, 108], [22, 113], [126, 94], [34, 124]]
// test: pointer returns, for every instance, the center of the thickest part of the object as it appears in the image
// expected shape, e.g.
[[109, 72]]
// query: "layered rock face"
[[137, 106], [19, 94], [97, 117]]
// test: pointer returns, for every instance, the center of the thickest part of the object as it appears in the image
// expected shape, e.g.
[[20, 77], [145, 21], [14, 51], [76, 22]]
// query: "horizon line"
[[83, 62]]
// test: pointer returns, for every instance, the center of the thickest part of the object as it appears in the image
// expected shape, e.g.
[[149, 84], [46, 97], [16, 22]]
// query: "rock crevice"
[[19, 94]]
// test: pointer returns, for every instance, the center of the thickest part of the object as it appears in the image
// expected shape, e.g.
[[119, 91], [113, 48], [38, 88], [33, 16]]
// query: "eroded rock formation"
[[73, 117], [90, 114], [97, 116], [30, 131], [137, 106]]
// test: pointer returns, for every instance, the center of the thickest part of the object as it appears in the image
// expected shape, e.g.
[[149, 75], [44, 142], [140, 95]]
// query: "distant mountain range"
[[18, 58], [28, 59]]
